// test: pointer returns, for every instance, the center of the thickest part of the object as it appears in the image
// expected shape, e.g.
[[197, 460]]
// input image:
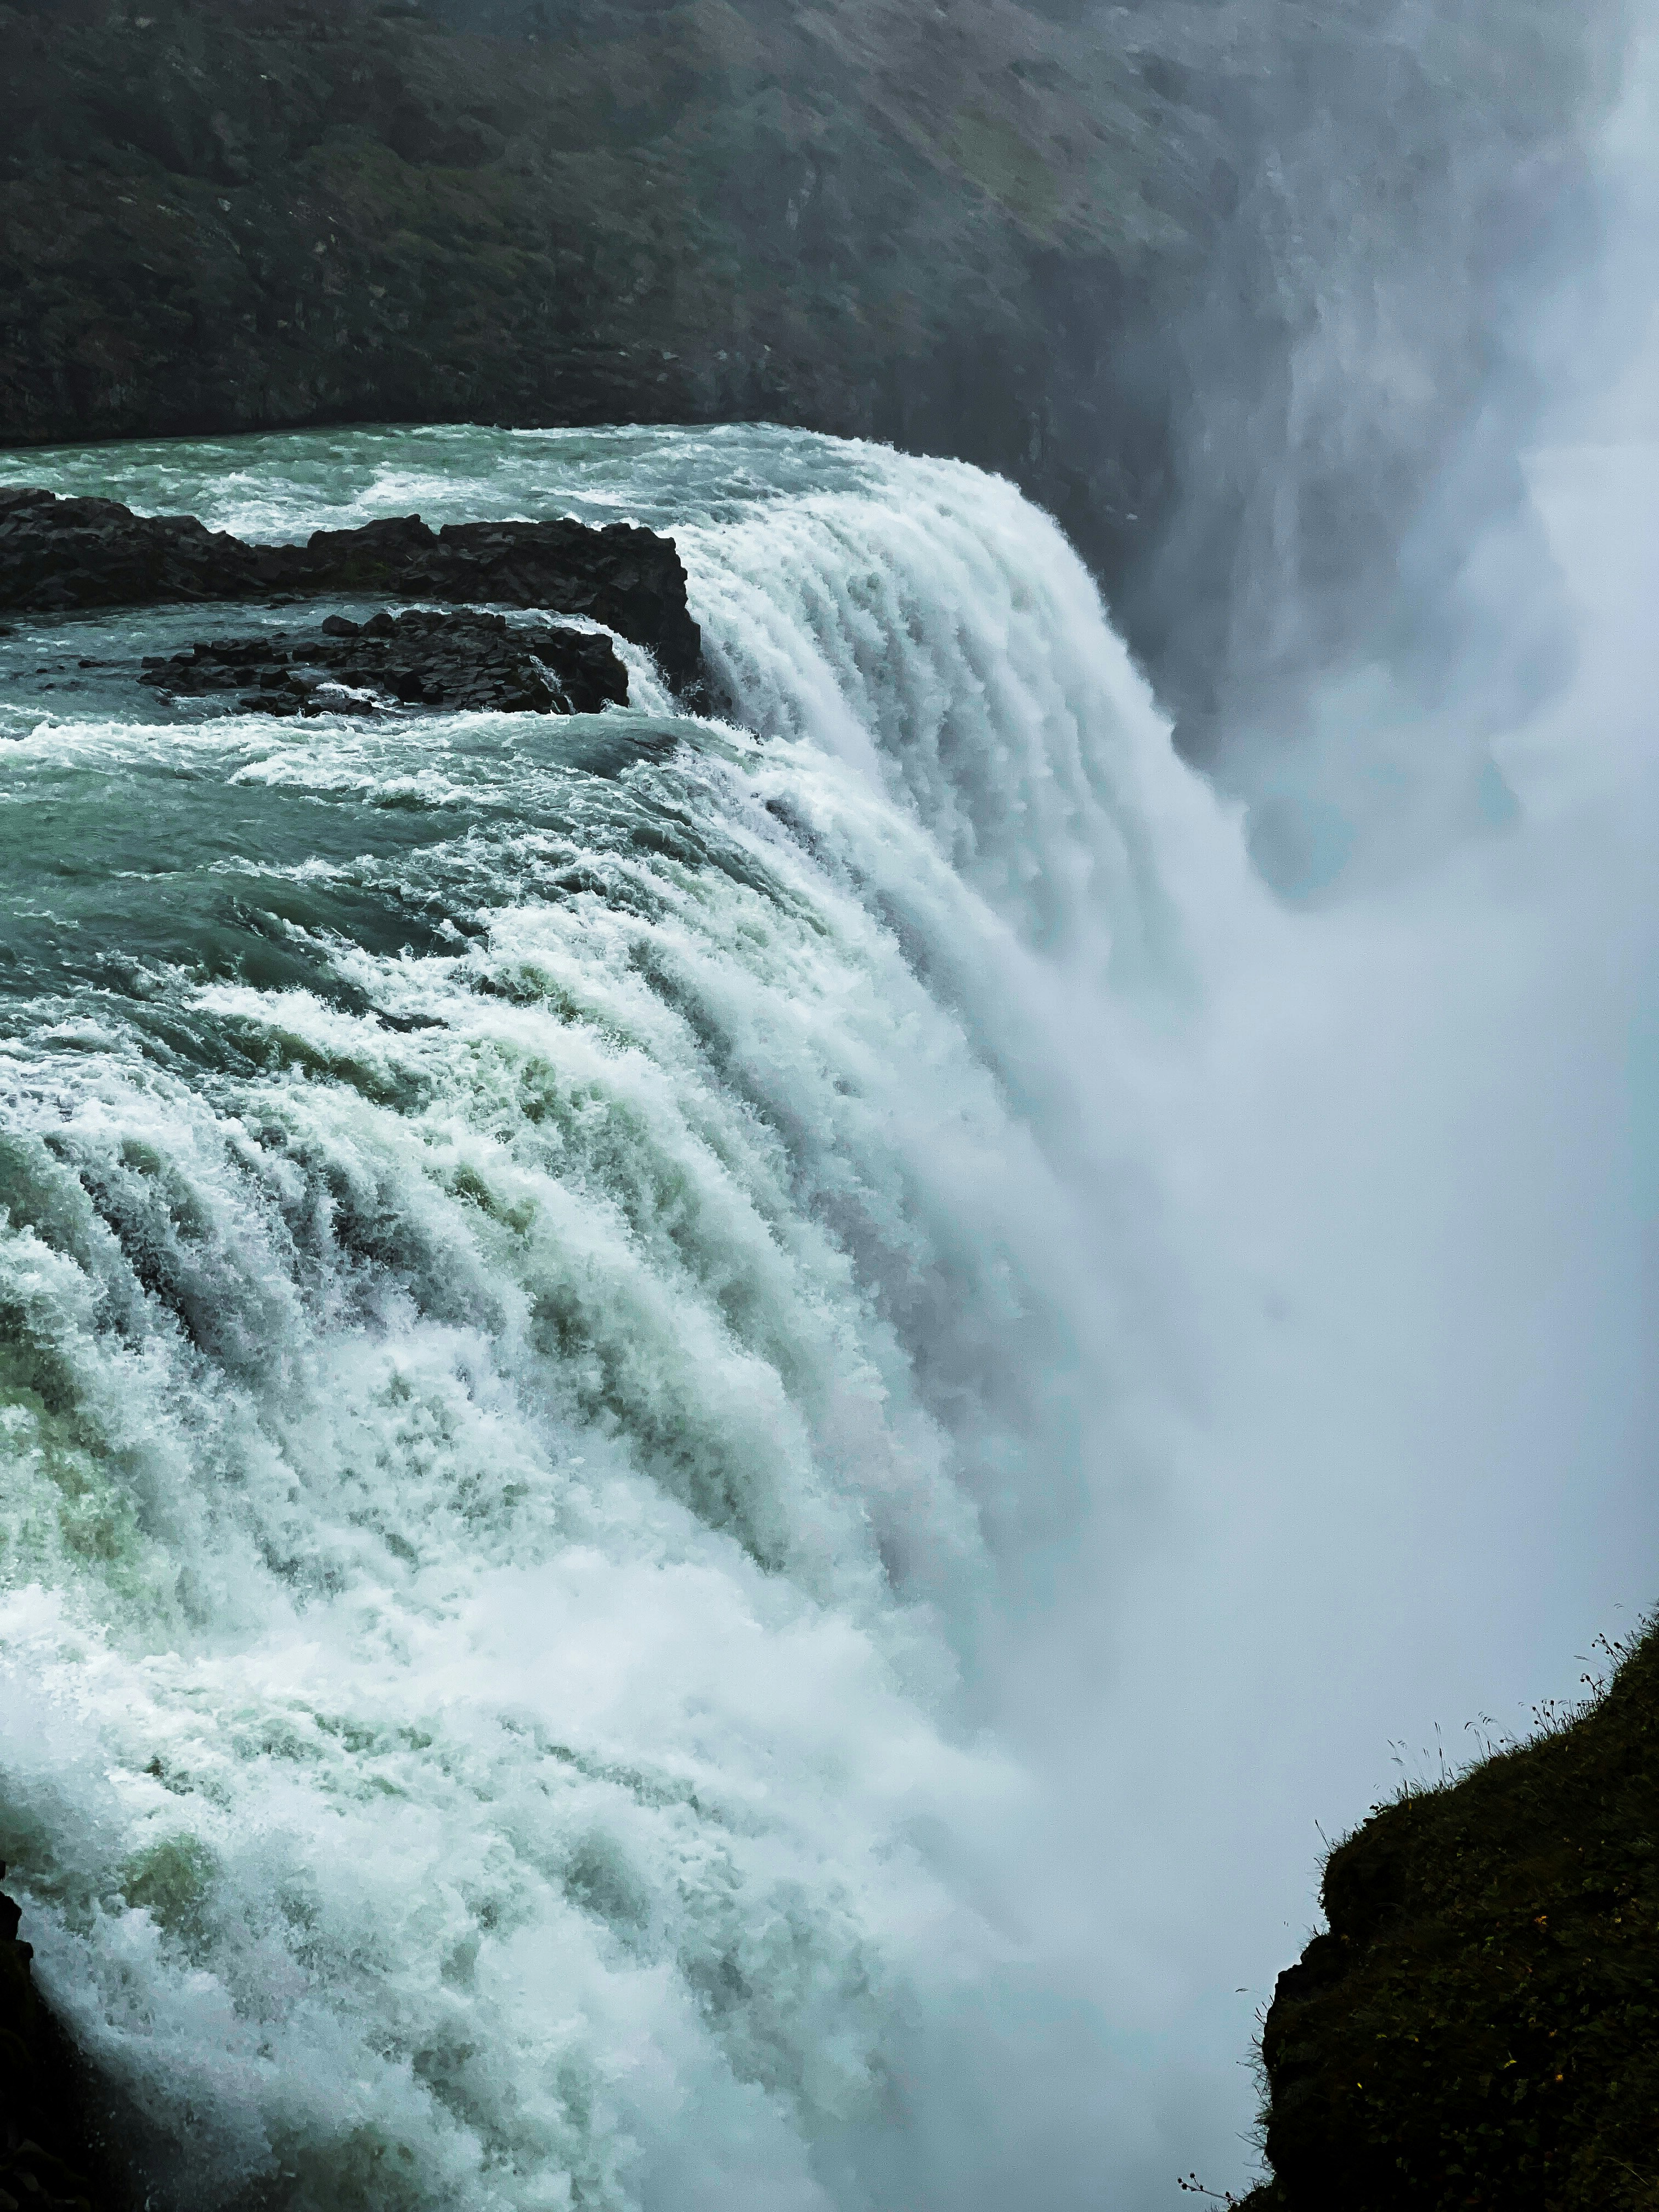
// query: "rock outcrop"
[[1478, 2031], [58, 555], [49, 2158], [457, 662]]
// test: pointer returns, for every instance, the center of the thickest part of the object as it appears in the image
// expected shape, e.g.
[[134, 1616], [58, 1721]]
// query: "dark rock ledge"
[[51, 2157], [458, 662], [1478, 2031], [61, 556]]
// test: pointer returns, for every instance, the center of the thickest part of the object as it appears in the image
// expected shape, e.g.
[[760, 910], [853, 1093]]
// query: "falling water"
[[658, 1368]]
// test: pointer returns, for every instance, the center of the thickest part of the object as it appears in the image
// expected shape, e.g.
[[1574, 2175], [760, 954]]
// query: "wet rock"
[[455, 662], [61, 554], [49, 2160]]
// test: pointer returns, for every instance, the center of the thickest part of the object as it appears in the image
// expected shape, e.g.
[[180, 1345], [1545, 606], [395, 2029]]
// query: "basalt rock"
[[1478, 2031], [57, 556], [453, 661]]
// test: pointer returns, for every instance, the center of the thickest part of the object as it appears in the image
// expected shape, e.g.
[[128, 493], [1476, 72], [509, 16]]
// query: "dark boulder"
[[57, 556], [456, 662]]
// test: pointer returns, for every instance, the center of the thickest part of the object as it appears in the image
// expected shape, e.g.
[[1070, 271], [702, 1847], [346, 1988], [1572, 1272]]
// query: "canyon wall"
[[1217, 285]]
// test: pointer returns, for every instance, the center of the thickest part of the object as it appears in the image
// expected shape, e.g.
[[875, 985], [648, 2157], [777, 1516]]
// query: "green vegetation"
[[583, 211]]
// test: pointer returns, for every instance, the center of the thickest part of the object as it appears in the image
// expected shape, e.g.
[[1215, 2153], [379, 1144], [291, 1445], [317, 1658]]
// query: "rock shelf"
[[63, 556], [455, 662]]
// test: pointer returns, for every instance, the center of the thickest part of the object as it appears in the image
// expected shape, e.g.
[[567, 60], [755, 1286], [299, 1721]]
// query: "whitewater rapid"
[[550, 1310]]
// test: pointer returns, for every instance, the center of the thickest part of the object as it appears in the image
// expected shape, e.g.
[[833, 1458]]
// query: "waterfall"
[[621, 1335], [545, 1311]]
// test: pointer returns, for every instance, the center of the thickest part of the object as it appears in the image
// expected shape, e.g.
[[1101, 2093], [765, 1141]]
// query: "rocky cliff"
[[867, 217], [1478, 2031], [1215, 283]]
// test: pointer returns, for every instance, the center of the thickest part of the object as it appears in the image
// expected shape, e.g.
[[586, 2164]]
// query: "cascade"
[[547, 1307], [653, 1360]]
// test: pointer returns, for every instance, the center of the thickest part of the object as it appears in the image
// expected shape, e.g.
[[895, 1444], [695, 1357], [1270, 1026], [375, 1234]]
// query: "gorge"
[[723, 1412]]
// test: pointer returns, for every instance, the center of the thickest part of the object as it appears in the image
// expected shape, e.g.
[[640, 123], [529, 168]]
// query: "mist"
[[1406, 1401]]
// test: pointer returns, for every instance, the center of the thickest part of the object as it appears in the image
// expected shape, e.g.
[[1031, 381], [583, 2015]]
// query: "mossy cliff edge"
[[1478, 2031], [868, 218]]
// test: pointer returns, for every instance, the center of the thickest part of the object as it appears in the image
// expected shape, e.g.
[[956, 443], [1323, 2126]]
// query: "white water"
[[498, 1506], [696, 1519]]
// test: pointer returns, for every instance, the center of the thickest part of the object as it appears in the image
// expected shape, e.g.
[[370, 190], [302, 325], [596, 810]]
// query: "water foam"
[[721, 1429], [514, 1437]]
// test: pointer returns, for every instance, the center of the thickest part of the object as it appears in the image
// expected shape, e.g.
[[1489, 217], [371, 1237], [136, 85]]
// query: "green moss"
[[1480, 2029], [993, 153]]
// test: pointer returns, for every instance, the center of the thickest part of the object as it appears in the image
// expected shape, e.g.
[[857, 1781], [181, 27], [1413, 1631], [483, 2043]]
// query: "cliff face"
[[1480, 2029], [870, 218], [1214, 282]]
